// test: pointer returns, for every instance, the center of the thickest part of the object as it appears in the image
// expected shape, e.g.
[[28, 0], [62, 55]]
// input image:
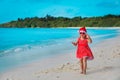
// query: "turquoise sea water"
[[22, 45]]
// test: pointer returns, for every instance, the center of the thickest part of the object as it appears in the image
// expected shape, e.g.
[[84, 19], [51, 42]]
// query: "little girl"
[[83, 51]]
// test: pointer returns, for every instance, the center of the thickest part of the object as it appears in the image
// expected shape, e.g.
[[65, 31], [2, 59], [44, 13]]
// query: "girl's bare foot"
[[84, 72], [81, 72]]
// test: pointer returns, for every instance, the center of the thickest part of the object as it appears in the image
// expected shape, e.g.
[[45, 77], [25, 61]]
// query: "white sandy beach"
[[105, 66]]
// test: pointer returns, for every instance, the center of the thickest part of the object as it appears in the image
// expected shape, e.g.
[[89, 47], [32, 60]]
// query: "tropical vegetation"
[[51, 21]]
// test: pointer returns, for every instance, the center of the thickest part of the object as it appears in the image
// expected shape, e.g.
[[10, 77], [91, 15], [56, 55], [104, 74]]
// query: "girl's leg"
[[84, 65], [81, 65]]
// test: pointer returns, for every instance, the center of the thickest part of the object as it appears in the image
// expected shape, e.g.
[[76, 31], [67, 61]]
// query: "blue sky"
[[14, 9]]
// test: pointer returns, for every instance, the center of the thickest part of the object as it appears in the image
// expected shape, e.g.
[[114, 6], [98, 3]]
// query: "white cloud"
[[65, 11]]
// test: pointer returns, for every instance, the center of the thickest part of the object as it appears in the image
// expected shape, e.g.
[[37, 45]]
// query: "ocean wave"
[[50, 46], [14, 50], [103, 35]]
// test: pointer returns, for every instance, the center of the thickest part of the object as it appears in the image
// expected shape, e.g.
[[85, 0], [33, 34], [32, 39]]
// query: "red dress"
[[83, 49]]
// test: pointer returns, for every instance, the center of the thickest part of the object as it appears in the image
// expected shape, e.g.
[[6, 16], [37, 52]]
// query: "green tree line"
[[50, 21]]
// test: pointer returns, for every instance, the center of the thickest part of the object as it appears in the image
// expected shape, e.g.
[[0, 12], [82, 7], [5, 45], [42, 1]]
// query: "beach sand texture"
[[105, 66]]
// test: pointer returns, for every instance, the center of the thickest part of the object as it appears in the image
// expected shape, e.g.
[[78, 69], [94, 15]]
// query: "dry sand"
[[105, 66]]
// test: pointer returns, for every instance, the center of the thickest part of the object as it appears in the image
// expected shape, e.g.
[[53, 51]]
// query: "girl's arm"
[[75, 43], [89, 38]]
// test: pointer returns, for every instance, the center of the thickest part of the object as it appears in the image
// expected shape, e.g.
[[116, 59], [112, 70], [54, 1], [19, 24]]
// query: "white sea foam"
[[18, 49], [7, 51]]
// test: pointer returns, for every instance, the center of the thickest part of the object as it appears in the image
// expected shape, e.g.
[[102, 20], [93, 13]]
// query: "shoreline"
[[69, 27], [105, 64], [95, 27]]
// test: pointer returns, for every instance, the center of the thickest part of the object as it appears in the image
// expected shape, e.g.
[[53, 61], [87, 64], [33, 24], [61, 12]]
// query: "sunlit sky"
[[14, 9]]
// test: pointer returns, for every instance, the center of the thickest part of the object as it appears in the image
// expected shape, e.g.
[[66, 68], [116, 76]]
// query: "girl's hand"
[[75, 44], [88, 38]]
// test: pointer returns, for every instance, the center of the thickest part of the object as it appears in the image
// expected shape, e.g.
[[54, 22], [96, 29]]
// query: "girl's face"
[[82, 34]]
